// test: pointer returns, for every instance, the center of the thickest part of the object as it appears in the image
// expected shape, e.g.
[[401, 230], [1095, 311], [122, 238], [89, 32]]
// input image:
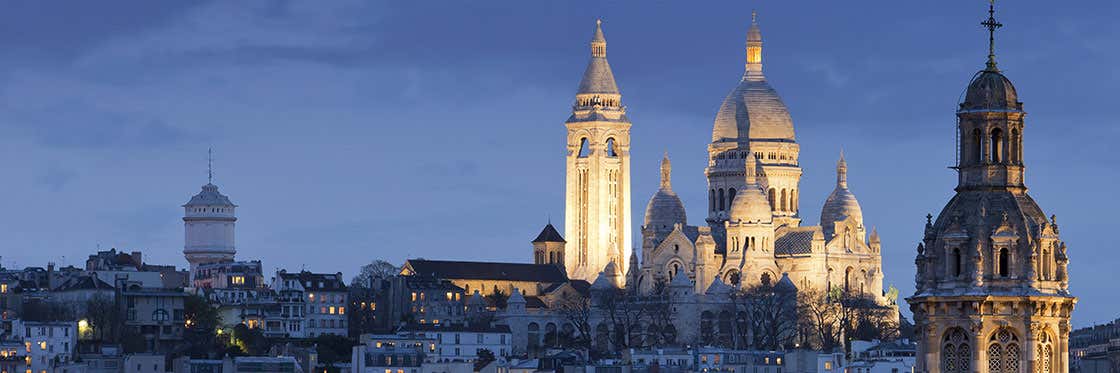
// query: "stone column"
[[979, 352]]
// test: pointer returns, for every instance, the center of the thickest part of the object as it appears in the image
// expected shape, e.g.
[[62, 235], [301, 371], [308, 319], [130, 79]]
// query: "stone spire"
[[598, 78], [754, 46], [842, 172], [666, 173]]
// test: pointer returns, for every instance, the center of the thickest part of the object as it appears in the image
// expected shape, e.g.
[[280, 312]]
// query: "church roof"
[[598, 78], [795, 241], [462, 270], [718, 287], [785, 283], [991, 90], [753, 110], [209, 196], [680, 279], [549, 234], [516, 296]]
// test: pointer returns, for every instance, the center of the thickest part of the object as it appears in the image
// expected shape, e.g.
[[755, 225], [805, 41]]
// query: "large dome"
[[991, 90], [752, 111]]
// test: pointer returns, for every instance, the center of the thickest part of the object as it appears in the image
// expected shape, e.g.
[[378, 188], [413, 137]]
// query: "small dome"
[[991, 90], [751, 205], [209, 196], [665, 209], [841, 203]]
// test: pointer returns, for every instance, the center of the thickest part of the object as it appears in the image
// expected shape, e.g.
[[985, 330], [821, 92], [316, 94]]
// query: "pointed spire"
[[842, 172], [210, 166], [751, 169], [992, 26], [666, 173], [598, 42], [754, 45]]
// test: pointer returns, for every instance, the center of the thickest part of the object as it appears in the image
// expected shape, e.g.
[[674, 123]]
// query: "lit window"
[[828, 365], [414, 296], [311, 296], [449, 296], [322, 309], [379, 344], [3, 288], [237, 280], [331, 310], [436, 321], [373, 306], [43, 345], [341, 310]]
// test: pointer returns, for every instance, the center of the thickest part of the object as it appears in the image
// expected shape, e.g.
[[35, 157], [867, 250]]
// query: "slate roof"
[[460, 270], [84, 283], [549, 234], [795, 241], [209, 196], [317, 281]]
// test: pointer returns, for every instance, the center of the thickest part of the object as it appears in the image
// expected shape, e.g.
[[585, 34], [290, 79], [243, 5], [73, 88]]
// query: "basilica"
[[752, 234]]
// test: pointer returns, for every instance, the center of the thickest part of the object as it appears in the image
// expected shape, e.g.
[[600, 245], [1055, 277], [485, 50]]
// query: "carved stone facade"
[[992, 286]]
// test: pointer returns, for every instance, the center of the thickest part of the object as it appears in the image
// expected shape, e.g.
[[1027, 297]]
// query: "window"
[[237, 280], [997, 145], [414, 296], [956, 355], [955, 262], [978, 144], [1004, 353], [3, 288], [610, 148], [721, 195], [331, 310], [341, 310], [449, 296], [584, 149], [1004, 262]]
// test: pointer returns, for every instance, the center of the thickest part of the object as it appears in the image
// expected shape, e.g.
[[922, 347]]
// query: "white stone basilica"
[[752, 234]]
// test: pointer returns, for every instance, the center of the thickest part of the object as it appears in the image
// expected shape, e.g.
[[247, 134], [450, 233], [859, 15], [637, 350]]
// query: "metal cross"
[[991, 24]]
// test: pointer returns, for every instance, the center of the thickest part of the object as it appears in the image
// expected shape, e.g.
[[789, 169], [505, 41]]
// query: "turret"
[[208, 222], [548, 247]]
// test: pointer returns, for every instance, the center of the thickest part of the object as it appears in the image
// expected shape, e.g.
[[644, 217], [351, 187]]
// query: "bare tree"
[[375, 269], [771, 316], [577, 311]]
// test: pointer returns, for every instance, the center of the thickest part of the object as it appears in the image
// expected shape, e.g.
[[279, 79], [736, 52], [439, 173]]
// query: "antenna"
[[210, 165]]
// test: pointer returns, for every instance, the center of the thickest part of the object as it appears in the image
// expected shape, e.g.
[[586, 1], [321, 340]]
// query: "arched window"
[[721, 195], [712, 199], [1045, 351], [1004, 352], [997, 145], [1004, 262], [534, 335], [955, 263], [733, 277], [978, 146], [730, 196], [772, 194], [706, 327], [956, 355], [611, 152], [848, 279], [584, 148], [784, 206]]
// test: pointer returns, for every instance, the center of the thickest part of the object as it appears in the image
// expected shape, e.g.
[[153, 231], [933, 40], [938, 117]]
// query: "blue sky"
[[355, 130]]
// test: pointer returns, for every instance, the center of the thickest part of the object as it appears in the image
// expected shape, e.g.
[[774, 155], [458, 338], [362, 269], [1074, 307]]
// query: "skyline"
[[334, 82]]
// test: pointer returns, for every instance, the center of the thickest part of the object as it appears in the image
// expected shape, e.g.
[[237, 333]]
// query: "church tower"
[[597, 200], [753, 121], [991, 285], [208, 224]]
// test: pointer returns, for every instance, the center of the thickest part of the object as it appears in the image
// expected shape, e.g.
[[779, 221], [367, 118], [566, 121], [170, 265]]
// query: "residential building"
[[156, 314], [49, 345], [312, 304]]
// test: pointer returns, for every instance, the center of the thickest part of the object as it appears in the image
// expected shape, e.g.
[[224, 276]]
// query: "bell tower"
[[992, 286], [597, 193]]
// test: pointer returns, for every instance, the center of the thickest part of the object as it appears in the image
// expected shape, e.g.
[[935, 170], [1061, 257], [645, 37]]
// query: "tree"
[[837, 318], [577, 311], [202, 322], [771, 316], [104, 318], [375, 269], [497, 299], [626, 313], [333, 349]]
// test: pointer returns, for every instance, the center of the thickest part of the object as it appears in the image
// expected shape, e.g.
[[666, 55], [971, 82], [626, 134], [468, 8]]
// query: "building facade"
[[597, 205], [991, 286]]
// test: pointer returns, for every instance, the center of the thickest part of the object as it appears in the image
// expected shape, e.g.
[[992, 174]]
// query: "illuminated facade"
[[597, 206]]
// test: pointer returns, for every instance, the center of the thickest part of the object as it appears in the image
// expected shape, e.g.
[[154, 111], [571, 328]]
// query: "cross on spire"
[[991, 24]]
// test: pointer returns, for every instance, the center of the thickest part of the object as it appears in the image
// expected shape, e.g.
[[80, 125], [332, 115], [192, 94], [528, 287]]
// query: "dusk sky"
[[349, 131]]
